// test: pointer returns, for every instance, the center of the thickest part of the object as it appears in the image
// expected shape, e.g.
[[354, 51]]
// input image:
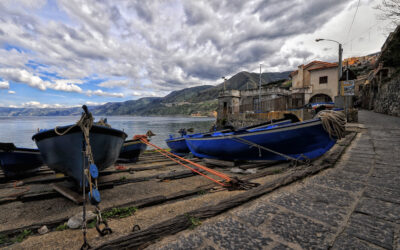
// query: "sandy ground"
[[23, 214], [72, 239]]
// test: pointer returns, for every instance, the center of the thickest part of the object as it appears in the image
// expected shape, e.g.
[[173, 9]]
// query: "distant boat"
[[63, 153], [19, 161], [306, 139], [131, 149]]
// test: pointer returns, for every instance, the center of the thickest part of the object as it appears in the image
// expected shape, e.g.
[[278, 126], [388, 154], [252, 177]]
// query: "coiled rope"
[[333, 122]]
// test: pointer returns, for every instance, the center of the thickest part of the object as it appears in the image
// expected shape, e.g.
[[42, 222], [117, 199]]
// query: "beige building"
[[318, 81]]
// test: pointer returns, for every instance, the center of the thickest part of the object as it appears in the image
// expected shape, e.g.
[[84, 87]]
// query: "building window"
[[323, 79]]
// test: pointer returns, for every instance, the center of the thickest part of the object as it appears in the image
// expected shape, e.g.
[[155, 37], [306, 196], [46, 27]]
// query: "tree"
[[390, 10]]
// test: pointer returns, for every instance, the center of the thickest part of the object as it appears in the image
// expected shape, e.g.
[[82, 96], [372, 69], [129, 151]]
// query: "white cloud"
[[65, 86], [4, 85], [100, 92], [114, 83], [141, 41], [148, 93], [94, 103], [36, 104], [11, 92], [23, 76]]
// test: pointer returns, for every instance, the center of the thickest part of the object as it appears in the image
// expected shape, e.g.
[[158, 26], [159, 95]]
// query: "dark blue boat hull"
[[296, 139], [178, 145], [64, 153], [20, 161], [132, 149]]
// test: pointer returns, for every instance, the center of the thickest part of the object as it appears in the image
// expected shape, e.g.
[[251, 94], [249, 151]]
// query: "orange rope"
[[224, 176], [165, 153], [192, 169]]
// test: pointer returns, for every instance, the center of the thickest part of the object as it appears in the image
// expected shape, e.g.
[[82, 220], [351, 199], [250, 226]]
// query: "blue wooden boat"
[[178, 144], [131, 149], [19, 161], [63, 153], [304, 140]]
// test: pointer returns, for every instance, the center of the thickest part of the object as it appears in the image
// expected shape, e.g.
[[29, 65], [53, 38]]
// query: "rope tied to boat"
[[89, 174], [333, 123], [302, 159], [231, 183]]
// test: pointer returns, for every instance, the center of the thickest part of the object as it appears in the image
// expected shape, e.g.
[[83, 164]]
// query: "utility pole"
[[259, 92], [339, 63], [340, 68]]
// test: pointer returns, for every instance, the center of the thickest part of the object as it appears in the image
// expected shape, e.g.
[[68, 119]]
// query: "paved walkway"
[[355, 205]]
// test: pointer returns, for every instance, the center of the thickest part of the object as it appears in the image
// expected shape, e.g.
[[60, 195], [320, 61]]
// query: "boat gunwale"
[[49, 133], [282, 128], [174, 139]]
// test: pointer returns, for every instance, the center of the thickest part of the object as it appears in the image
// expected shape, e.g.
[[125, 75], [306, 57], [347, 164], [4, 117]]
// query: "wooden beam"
[[68, 193]]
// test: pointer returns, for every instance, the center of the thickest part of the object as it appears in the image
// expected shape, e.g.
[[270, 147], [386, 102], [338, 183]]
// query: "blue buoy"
[[94, 172], [95, 199]]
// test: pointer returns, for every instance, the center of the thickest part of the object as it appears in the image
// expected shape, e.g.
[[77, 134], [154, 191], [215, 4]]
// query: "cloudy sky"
[[69, 52]]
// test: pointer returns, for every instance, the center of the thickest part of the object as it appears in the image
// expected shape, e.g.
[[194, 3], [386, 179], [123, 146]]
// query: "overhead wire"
[[352, 22]]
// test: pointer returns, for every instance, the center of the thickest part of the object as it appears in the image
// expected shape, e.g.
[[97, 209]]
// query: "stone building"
[[316, 82], [234, 105]]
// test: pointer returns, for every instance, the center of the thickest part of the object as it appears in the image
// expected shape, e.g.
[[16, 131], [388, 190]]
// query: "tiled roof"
[[323, 65]]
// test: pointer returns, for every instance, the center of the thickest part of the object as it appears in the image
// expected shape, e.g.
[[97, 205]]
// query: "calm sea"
[[19, 130]]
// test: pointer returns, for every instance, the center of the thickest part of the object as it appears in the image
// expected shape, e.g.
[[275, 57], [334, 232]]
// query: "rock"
[[76, 220], [251, 171], [237, 170], [43, 230]]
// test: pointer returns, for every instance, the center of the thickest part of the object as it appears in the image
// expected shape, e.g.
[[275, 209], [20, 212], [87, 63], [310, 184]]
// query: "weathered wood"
[[47, 180], [134, 169], [220, 163], [38, 196], [68, 193], [178, 174], [259, 165], [142, 238]]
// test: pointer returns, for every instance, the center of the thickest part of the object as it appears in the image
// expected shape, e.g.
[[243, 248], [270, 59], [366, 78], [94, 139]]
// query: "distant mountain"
[[241, 81], [200, 99], [40, 111], [186, 95]]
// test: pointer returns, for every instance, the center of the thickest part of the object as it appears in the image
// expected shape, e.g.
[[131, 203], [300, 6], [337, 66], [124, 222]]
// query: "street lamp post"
[[340, 60]]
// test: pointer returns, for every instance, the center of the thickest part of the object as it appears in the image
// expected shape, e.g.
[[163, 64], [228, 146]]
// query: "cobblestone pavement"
[[355, 205]]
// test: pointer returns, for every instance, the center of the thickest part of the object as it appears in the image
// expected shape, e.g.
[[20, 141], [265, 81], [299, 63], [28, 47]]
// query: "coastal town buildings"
[[316, 81]]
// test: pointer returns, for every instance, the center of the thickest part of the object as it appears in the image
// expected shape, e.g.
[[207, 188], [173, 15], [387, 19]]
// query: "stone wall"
[[387, 98]]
